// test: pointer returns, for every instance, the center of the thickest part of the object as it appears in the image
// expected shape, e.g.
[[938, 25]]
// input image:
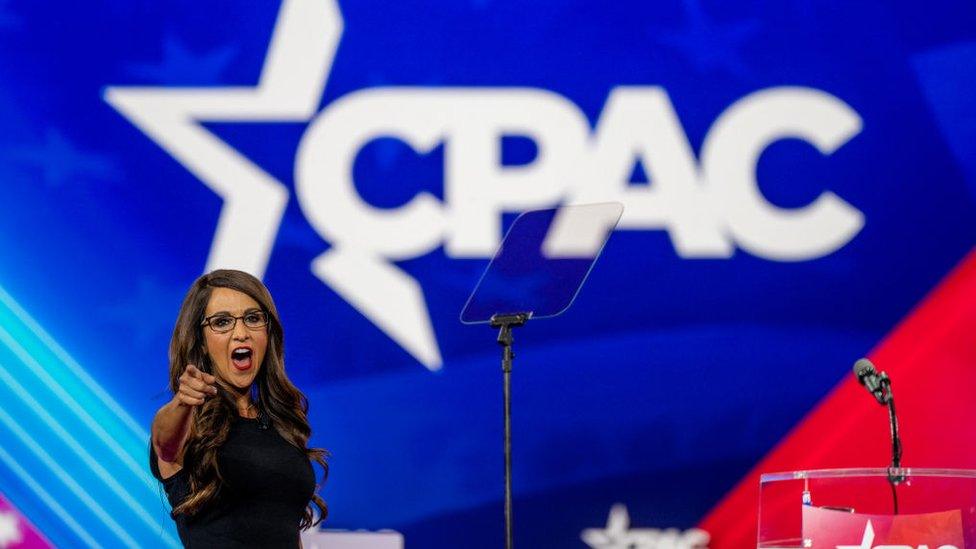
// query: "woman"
[[231, 447]]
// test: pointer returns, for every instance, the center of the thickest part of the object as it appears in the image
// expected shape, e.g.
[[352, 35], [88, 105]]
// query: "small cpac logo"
[[619, 535], [868, 540]]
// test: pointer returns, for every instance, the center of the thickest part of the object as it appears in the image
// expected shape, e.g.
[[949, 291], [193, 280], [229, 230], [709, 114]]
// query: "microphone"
[[868, 376]]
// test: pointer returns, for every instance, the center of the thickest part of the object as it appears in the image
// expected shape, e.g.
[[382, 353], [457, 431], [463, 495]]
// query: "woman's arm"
[[171, 425]]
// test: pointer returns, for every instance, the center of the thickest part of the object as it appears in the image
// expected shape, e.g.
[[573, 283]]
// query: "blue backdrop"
[[672, 374]]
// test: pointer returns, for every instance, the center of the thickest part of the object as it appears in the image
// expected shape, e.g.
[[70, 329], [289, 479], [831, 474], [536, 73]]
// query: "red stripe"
[[931, 357]]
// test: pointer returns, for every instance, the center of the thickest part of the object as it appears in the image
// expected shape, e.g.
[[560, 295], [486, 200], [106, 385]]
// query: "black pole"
[[895, 476], [507, 443], [505, 323], [893, 421]]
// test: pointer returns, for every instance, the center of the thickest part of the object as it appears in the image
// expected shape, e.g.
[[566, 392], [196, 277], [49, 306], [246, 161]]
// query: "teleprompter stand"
[[505, 323], [537, 272]]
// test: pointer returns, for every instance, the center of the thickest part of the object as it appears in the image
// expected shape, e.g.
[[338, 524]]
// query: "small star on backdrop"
[[60, 162], [709, 45], [8, 20], [182, 66]]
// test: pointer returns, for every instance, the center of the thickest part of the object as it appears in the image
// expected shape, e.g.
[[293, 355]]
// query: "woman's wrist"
[[174, 410]]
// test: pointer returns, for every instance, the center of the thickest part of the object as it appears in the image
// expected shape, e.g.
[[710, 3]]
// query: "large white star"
[[292, 80], [294, 74]]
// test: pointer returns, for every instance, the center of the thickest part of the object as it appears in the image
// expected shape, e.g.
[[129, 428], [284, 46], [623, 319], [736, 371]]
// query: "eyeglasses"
[[222, 323]]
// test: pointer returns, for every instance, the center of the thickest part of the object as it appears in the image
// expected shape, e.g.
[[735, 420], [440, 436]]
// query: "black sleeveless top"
[[267, 485]]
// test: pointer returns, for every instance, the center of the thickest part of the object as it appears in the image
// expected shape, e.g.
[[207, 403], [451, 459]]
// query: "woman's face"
[[238, 353]]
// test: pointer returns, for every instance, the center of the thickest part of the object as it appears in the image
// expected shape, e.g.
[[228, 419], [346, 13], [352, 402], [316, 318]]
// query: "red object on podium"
[[858, 509]]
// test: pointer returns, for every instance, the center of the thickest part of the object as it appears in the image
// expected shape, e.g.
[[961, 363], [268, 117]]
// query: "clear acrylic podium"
[[861, 508]]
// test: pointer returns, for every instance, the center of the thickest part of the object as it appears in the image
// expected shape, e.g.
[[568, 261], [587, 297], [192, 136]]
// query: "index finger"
[[197, 373]]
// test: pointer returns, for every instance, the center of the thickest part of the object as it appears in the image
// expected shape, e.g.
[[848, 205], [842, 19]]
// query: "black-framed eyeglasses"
[[222, 323]]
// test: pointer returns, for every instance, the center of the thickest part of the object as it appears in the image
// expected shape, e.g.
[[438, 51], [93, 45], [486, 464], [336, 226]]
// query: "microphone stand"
[[505, 323], [895, 476]]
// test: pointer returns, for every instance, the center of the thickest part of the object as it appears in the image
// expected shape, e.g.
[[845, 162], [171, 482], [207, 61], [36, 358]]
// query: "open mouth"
[[241, 358]]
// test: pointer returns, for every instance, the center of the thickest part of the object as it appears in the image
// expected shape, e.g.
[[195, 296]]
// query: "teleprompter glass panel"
[[542, 262]]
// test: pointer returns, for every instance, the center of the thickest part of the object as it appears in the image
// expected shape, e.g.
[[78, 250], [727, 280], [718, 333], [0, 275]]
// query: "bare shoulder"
[[168, 469]]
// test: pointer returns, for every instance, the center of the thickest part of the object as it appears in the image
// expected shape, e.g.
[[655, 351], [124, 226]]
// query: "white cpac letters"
[[323, 172], [706, 212], [867, 542], [640, 124], [729, 156], [708, 207], [477, 188]]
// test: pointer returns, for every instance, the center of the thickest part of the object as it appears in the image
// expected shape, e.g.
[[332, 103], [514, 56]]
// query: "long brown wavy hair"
[[283, 405]]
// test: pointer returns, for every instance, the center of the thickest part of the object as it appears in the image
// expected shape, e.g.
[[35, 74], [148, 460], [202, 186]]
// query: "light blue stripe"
[[76, 393], [77, 409], [72, 365], [52, 503], [72, 443], [67, 479]]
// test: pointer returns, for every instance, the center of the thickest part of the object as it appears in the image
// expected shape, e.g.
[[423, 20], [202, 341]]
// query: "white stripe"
[[100, 471], [52, 503], [64, 477], [72, 365]]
